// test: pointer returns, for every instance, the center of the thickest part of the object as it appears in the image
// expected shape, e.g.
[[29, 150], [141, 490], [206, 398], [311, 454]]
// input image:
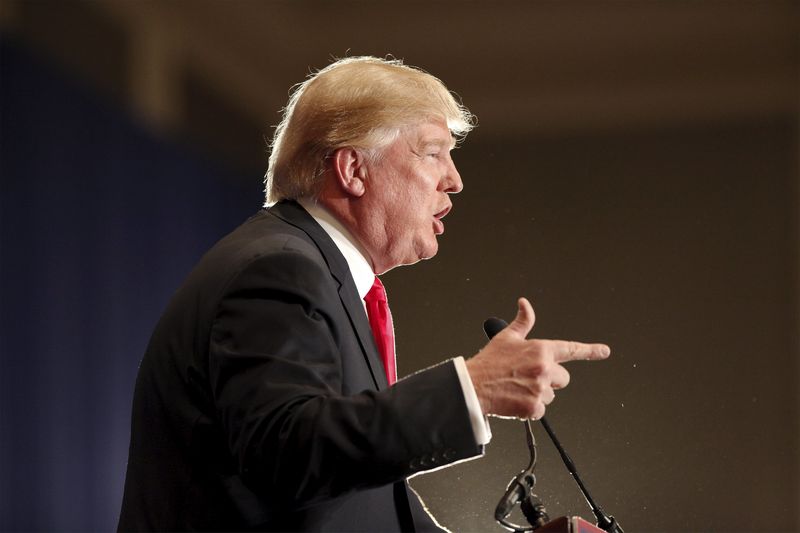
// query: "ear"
[[349, 170]]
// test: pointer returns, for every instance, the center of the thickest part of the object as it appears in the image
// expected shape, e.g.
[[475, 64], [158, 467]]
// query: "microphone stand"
[[604, 521]]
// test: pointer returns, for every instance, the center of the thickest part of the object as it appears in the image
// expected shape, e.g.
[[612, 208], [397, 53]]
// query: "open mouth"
[[438, 225]]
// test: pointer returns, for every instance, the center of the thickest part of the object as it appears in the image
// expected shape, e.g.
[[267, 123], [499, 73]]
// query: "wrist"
[[476, 373]]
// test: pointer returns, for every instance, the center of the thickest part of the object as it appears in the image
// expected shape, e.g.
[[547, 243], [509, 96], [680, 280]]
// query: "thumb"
[[523, 322]]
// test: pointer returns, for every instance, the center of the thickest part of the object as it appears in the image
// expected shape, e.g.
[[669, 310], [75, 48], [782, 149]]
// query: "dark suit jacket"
[[261, 402]]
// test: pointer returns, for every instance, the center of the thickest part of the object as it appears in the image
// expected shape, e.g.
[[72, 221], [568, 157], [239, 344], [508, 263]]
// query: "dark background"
[[634, 173]]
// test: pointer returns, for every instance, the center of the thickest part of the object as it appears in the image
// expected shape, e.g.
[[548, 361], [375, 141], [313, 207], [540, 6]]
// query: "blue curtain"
[[99, 221]]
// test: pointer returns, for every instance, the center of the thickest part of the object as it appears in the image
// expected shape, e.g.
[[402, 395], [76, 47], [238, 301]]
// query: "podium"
[[571, 524]]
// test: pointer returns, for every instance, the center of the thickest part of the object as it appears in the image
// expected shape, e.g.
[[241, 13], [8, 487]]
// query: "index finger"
[[576, 351]]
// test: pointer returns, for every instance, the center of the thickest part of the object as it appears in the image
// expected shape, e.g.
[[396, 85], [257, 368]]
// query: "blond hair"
[[359, 102]]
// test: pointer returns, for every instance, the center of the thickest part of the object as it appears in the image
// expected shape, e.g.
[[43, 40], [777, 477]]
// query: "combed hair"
[[358, 102]]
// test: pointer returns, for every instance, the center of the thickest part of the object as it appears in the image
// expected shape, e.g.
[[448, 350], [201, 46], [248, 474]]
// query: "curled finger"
[[559, 377], [548, 396]]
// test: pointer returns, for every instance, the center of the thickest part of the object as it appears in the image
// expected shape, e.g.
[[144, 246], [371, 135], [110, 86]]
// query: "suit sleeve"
[[275, 364]]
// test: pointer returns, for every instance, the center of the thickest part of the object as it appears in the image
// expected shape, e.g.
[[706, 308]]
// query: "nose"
[[452, 183]]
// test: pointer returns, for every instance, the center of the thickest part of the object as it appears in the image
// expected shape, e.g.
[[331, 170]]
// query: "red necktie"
[[380, 320]]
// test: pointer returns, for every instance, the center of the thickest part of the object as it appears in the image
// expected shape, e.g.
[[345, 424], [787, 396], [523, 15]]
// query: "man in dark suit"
[[265, 400]]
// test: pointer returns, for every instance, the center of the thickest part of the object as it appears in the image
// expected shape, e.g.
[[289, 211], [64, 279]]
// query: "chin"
[[421, 253], [430, 251]]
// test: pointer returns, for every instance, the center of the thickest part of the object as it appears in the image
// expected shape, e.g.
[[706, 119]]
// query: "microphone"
[[521, 485], [520, 490], [492, 326], [517, 490]]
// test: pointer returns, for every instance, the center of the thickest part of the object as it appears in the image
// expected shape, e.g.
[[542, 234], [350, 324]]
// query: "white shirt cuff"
[[480, 425]]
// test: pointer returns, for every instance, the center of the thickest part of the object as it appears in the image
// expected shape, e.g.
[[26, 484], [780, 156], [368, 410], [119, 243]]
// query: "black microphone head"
[[534, 511], [492, 326]]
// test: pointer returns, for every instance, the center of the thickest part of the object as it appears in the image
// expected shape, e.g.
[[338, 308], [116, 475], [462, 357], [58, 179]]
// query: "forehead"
[[433, 133]]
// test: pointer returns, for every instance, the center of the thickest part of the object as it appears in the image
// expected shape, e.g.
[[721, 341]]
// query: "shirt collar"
[[352, 251]]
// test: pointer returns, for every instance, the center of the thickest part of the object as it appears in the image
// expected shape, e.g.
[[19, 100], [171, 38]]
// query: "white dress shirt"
[[364, 277]]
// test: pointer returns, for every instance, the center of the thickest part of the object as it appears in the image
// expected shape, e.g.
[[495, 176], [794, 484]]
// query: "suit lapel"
[[292, 213]]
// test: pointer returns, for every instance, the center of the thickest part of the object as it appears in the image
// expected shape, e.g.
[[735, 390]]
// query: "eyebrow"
[[441, 143]]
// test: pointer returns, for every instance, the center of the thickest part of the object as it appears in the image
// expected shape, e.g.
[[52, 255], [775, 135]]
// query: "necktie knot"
[[380, 321], [376, 293]]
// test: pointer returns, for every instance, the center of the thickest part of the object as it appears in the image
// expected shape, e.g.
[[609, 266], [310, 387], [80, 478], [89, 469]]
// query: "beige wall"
[[676, 247]]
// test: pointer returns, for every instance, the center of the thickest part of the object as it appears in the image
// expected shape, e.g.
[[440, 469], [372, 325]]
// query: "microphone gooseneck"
[[520, 489]]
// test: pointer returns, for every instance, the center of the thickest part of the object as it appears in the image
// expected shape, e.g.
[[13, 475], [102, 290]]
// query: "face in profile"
[[408, 193]]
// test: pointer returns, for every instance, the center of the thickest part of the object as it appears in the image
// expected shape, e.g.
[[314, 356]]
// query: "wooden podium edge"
[[573, 524]]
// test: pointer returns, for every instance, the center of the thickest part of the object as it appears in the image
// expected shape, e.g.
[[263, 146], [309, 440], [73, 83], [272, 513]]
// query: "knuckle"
[[537, 370], [536, 345], [537, 387]]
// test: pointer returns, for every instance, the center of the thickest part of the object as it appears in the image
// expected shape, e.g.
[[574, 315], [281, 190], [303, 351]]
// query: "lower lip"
[[438, 226]]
